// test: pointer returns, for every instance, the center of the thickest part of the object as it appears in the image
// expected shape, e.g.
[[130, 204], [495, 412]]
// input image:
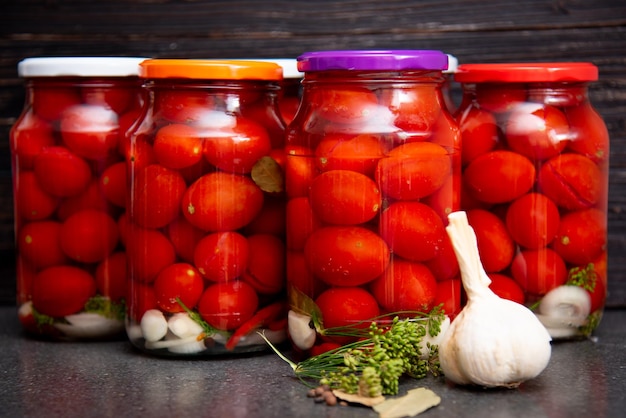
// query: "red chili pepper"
[[263, 317]]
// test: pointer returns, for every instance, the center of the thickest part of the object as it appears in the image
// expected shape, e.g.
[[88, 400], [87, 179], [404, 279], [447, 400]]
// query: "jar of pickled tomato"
[[204, 233], [535, 187], [69, 176], [372, 171]]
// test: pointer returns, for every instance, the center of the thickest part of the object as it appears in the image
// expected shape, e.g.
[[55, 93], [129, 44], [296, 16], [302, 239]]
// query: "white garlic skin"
[[493, 342]]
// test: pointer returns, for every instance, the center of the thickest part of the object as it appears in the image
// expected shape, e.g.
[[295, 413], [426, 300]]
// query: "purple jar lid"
[[373, 60]]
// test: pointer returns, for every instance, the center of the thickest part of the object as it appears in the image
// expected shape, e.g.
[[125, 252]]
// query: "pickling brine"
[[535, 187], [372, 170], [68, 151], [204, 230]]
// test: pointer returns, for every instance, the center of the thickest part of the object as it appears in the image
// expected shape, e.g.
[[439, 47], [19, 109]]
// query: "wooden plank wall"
[[474, 31]]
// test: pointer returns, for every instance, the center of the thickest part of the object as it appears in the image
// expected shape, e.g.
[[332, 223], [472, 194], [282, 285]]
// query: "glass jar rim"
[[211, 69], [79, 67], [373, 60], [526, 72]]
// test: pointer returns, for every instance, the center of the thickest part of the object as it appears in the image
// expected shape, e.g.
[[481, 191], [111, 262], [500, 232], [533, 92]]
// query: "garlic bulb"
[[493, 342]]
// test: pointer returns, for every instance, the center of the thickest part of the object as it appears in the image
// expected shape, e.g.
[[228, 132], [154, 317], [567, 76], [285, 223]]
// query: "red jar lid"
[[210, 69], [526, 72]]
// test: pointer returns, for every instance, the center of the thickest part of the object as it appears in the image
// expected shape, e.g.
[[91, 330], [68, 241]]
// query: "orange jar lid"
[[210, 69], [539, 72]]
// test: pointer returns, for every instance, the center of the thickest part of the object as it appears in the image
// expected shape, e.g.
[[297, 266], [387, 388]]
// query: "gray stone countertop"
[[112, 379]]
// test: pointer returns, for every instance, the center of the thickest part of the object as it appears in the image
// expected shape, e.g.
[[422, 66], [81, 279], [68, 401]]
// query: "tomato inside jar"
[[535, 187], [204, 228], [69, 183], [372, 171]]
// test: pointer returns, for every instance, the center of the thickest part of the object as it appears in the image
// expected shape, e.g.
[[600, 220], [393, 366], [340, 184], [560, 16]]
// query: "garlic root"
[[493, 342]]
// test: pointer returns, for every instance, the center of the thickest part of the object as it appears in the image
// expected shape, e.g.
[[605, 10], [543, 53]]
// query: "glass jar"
[[447, 88], [373, 170], [291, 89], [67, 153], [205, 228], [535, 187]]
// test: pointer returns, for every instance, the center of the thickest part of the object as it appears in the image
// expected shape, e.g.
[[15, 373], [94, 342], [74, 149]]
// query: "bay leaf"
[[413, 403]]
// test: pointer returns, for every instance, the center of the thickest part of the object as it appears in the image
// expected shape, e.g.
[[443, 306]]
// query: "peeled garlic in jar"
[[493, 342]]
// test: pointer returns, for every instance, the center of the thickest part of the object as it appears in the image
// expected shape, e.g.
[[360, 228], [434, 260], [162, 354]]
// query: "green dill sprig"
[[104, 306], [372, 366], [197, 318]]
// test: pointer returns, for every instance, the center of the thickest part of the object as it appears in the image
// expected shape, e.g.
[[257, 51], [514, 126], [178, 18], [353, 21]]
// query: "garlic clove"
[[181, 325], [564, 309], [90, 325], [153, 325], [302, 334]]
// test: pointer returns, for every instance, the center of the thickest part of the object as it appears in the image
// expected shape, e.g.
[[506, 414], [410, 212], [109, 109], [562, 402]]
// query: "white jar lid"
[[289, 65], [79, 67], [453, 63]]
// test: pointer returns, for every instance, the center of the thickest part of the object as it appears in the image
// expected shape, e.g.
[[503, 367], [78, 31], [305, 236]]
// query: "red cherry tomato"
[[444, 265], [412, 230], [343, 197], [222, 202], [62, 290], [89, 236], [182, 106], [139, 153], [111, 277], [30, 139], [24, 274], [117, 99], [347, 306], [581, 236], [179, 281], [148, 252], [266, 264], [39, 245], [537, 131], [405, 286], [449, 296], [237, 148], [90, 198], [300, 170], [90, 131], [113, 183], [301, 222], [271, 219], [572, 181], [226, 306], [142, 299], [346, 255], [413, 170], [415, 109], [591, 137], [499, 176], [479, 131], [177, 146], [538, 271], [347, 152], [495, 245], [184, 237], [300, 277], [156, 194], [32, 202], [60, 172], [506, 288], [533, 220], [347, 105], [447, 198], [50, 102], [323, 347], [222, 256], [496, 97]]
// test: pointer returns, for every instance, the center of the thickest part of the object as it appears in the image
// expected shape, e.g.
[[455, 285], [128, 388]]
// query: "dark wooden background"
[[473, 31]]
